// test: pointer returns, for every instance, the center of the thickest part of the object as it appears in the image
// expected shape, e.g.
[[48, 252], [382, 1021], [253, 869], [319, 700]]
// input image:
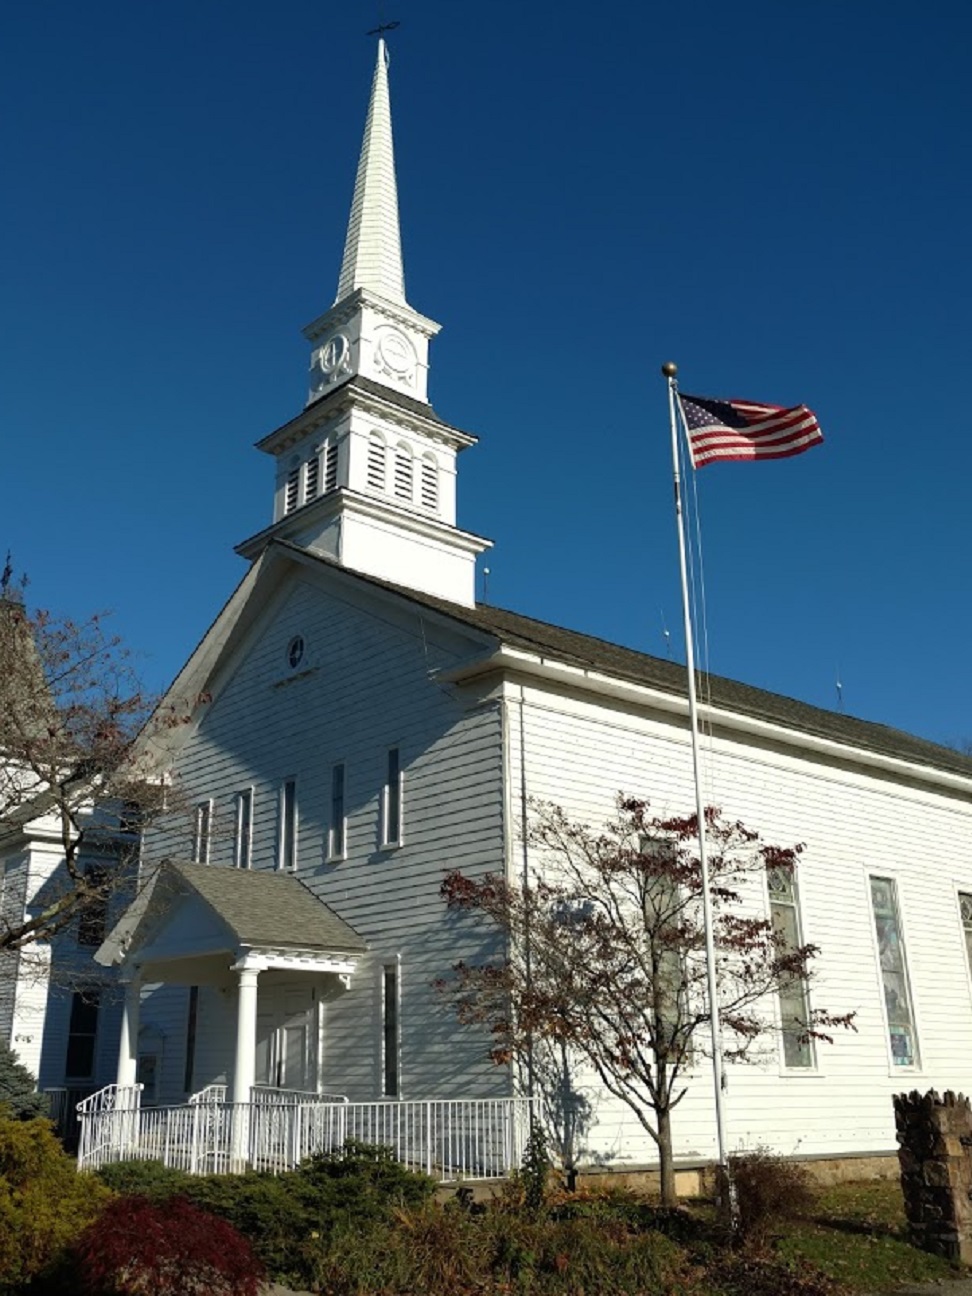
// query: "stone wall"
[[935, 1155]]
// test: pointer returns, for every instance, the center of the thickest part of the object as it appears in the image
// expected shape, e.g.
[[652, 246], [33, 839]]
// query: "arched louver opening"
[[403, 473], [430, 483], [292, 492], [330, 468], [312, 479], [376, 463]]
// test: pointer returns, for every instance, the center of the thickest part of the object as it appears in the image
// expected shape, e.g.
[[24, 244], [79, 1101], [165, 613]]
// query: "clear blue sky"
[[775, 195]]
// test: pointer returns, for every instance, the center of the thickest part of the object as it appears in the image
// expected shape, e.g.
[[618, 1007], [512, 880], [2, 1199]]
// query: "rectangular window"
[[390, 1030], [191, 1019], [337, 830], [93, 913], [392, 825], [794, 1001], [894, 972], [243, 837], [202, 832], [287, 832], [82, 1035]]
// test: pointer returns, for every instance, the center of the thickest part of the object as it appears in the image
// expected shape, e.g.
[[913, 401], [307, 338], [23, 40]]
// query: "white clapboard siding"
[[366, 683], [580, 754]]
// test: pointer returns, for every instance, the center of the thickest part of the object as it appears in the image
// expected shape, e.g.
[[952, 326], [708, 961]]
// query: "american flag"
[[735, 429]]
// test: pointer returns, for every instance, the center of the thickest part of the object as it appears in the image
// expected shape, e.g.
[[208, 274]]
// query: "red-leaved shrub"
[[139, 1247]]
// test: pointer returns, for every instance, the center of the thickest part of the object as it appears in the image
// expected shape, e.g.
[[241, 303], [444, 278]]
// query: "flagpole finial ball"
[[669, 368]]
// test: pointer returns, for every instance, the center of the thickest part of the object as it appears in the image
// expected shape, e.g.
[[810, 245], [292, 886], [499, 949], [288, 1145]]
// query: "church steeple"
[[373, 247], [367, 473]]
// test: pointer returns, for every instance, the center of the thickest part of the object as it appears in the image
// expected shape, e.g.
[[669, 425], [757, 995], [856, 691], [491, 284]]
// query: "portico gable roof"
[[253, 910]]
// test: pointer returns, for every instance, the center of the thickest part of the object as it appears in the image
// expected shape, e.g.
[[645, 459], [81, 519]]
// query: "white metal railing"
[[451, 1139], [109, 1124]]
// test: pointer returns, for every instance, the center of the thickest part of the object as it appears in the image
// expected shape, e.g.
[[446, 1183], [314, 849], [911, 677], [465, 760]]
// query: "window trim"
[[334, 856], [915, 1067], [393, 966], [387, 841], [813, 1066], [243, 797], [288, 826], [202, 831]]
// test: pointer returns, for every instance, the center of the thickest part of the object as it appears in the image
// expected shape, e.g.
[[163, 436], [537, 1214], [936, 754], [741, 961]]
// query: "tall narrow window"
[[965, 908], [292, 490], [82, 1035], [390, 1031], [894, 972], [430, 484], [192, 1016], [331, 467], [93, 916], [376, 463], [202, 832], [663, 904], [287, 835], [243, 837], [336, 830], [392, 825], [403, 473], [312, 476], [794, 1002]]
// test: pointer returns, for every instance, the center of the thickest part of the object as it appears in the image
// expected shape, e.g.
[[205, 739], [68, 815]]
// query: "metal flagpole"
[[670, 370]]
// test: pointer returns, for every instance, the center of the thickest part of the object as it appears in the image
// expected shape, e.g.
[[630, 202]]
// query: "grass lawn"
[[859, 1237]]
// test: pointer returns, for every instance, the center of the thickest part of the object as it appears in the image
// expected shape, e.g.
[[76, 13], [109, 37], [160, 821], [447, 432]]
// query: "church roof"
[[266, 909], [586, 652]]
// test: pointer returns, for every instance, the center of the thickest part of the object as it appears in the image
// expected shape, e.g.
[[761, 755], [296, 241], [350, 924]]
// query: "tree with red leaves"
[[139, 1247], [605, 954]]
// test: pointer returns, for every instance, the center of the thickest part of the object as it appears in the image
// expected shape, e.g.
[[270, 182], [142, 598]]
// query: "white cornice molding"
[[346, 309], [507, 659], [332, 405]]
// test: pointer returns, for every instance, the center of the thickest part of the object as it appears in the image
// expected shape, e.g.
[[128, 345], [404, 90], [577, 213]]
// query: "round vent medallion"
[[295, 652]]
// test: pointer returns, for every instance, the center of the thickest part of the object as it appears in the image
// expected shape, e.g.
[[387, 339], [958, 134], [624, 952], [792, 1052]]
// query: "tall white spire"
[[373, 248]]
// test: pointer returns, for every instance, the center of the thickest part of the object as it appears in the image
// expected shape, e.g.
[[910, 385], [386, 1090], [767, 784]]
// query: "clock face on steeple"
[[331, 361], [395, 354]]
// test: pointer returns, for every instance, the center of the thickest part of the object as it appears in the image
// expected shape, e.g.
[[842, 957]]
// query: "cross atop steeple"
[[373, 247]]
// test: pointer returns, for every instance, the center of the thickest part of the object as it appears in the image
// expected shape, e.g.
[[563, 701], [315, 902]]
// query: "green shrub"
[[44, 1202], [769, 1191], [150, 1179], [448, 1251], [292, 1218], [18, 1094]]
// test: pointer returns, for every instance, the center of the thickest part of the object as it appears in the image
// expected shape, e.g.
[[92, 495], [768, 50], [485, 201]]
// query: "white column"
[[244, 1072], [128, 1042]]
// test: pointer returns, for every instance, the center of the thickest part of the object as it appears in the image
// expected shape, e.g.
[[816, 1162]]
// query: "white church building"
[[364, 726]]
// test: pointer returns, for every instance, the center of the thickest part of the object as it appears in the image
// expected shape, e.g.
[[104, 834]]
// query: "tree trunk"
[[666, 1159]]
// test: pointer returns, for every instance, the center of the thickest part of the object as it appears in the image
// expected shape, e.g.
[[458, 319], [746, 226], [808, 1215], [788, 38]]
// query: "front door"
[[284, 1052]]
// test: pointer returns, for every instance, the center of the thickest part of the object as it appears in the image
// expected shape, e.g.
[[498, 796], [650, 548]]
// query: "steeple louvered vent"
[[376, 463], [403, 473], [313, 477], [292, 496], [330, 468]]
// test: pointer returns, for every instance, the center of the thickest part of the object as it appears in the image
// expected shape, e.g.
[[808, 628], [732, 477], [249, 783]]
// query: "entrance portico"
[[260, 939]]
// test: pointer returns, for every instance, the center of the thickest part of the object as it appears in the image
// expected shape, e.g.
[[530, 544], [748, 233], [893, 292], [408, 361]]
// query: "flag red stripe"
[[702, 437], [741, 449]]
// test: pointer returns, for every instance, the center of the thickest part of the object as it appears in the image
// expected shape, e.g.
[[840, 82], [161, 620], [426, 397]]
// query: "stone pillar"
[[128, 1042], [935, 1155]]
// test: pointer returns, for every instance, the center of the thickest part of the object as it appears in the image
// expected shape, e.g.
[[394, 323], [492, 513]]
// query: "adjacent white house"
[[364, 726]]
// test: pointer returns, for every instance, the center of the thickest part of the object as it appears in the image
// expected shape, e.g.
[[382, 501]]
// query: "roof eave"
[[507, 659]]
